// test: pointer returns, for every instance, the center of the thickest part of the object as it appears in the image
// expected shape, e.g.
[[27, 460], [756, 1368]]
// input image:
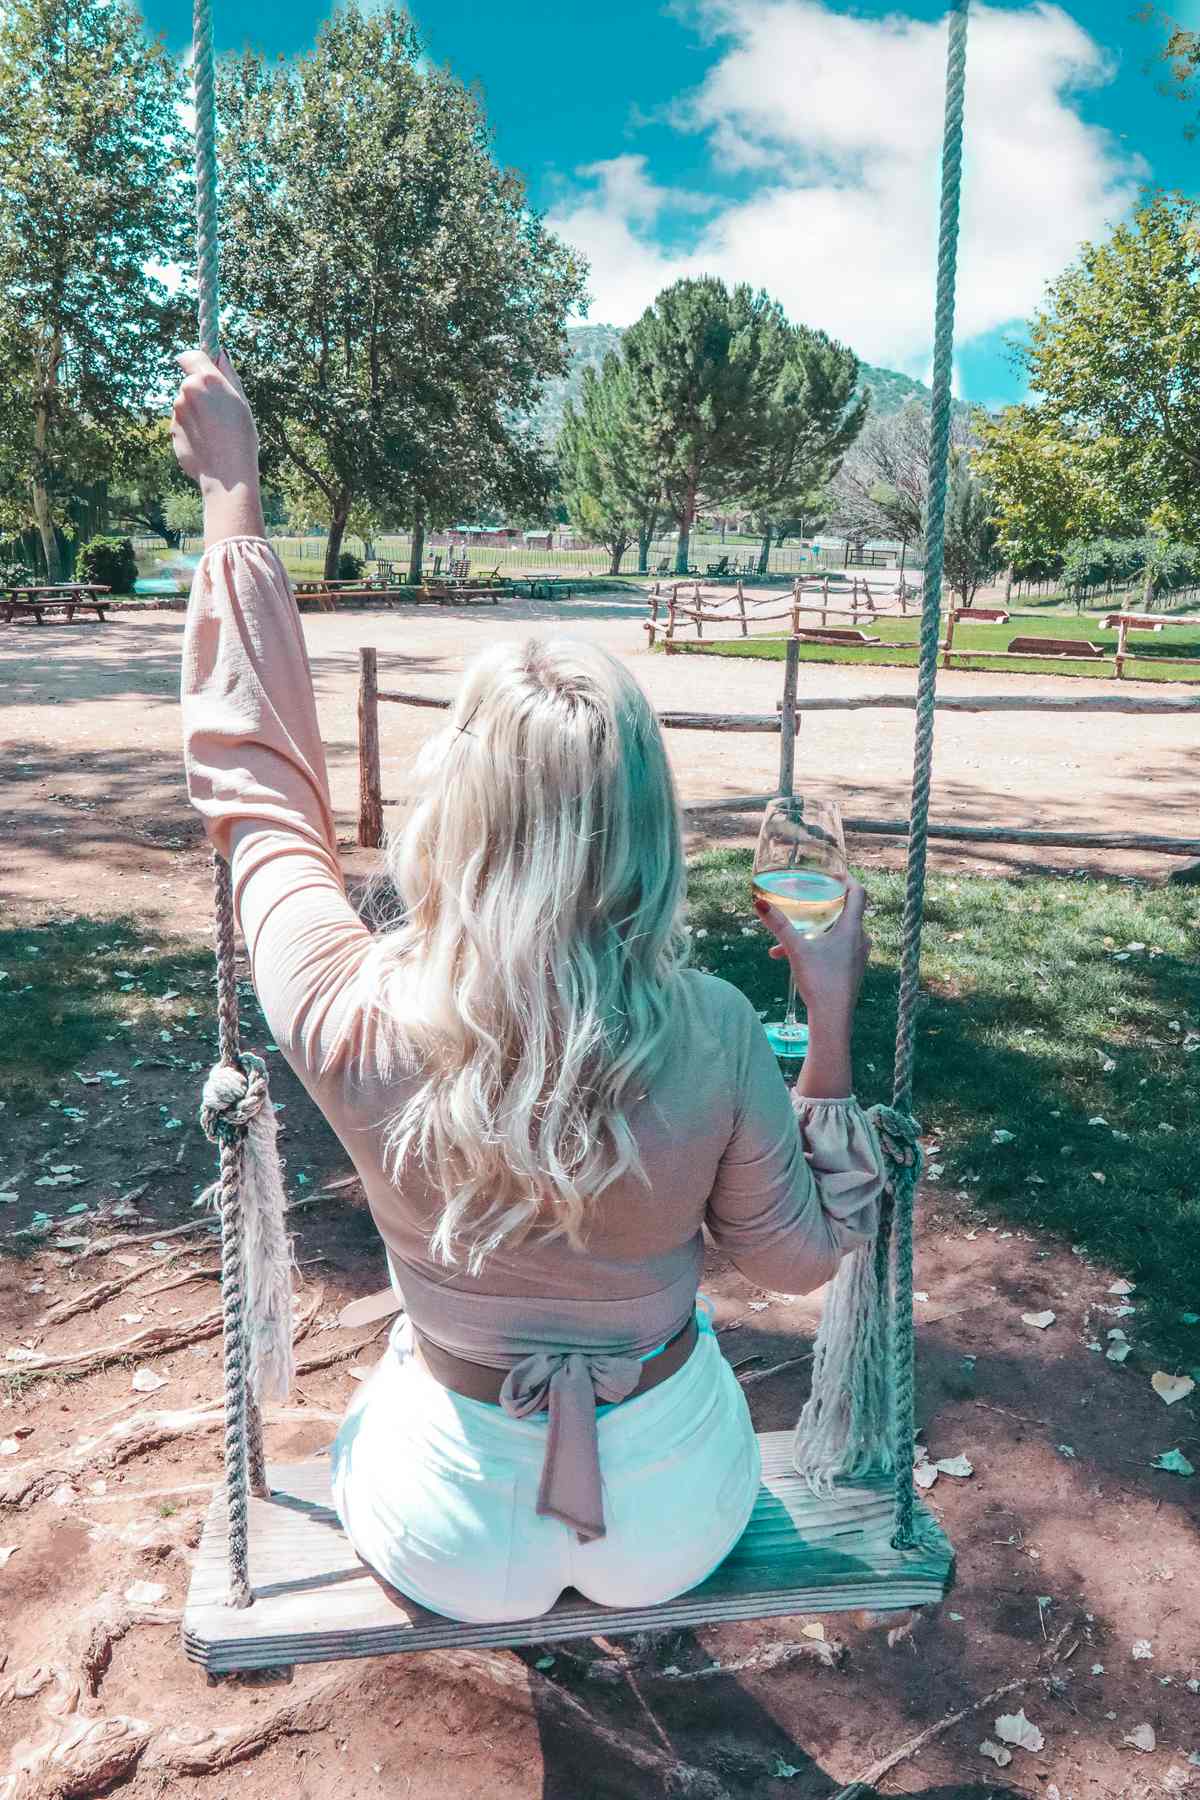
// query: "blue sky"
[[793, 143]]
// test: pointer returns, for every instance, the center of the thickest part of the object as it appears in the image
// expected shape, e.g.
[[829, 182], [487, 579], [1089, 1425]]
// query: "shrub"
[[110, 562], [350, 567]]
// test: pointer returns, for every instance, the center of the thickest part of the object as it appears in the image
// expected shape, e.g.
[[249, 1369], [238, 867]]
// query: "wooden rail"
[[781, 724], [794, 609], [786, 722]]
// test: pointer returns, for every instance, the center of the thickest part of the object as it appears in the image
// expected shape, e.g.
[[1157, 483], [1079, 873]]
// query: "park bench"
[[1044, 646], [716, 569], [987, 615], [1132, 621], [835, 635], [66, 596]]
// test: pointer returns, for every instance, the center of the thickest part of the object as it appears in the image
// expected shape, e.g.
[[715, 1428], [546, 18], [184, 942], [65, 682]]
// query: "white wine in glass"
[[800, 868]]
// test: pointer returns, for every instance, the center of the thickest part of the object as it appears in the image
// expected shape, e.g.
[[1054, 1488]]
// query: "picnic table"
[[25, 598], [546, 587]]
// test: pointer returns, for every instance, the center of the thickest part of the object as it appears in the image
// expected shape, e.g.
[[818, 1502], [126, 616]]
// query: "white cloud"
[[835, 122]]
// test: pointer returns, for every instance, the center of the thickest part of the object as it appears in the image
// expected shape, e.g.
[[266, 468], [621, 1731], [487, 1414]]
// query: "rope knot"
[[900, 1140], [233, 1097]]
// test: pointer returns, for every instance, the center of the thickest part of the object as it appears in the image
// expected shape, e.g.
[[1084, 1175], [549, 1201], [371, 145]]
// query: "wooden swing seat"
[[314, 1601]]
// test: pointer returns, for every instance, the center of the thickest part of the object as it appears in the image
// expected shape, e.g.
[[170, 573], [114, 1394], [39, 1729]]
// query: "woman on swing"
[[543, 1102]]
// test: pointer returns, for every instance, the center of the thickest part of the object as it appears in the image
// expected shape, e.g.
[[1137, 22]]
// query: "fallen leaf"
[[1100, 1176], [130, 1318], [1171, 1388], [1141, 1738], [1122, 1287], [146, 1381], [815, 1630], [1142, 1650], [1015, 1728], [1000, 1136], [925, 1475], [960, 1466], [1174, 1462], [999, 1755], [7, 1550], [1117, 1352], [145, 1593], [784, 1771], [8, 1446], [1041, 1320]]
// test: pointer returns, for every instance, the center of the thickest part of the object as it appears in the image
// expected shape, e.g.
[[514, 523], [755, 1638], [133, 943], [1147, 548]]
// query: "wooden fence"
[[1025, 649], [786, 721], [807, 601]]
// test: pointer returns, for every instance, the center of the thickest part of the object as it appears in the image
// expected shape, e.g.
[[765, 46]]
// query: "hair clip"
[[465, 730]]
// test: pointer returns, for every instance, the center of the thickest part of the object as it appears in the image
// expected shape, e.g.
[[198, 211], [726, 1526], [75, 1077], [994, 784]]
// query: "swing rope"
[[861, 1415], [236, 1111]]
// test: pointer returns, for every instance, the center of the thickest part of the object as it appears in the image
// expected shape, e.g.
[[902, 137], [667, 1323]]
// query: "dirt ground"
[[1078, 1590]]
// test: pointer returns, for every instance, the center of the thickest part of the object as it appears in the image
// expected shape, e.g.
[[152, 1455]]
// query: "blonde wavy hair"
[[532, 978]]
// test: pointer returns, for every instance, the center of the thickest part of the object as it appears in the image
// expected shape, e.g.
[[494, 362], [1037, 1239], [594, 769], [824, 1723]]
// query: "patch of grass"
[[1031, 990], [74, 988], [1153, 661]]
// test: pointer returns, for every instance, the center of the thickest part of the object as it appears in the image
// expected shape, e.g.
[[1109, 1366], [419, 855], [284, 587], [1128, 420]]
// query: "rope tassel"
[[237, 1103], [847, 1429]]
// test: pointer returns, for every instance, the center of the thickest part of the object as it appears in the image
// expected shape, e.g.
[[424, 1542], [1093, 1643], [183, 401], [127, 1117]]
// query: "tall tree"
[[607, 470], [394, 305], [92, 198], [1115, 355], [971, 555], [704, 361], [811, 418], [1048, 487], [882, 487]]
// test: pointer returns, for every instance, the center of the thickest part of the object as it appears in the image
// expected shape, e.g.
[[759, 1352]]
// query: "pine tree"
[[811, 419], [703, 362], [608, 478]]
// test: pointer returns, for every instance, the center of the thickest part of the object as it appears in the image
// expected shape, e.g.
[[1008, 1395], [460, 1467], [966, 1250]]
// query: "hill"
[[590, 344]]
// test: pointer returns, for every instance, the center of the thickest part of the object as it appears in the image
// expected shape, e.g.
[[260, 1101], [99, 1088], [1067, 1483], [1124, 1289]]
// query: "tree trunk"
[[337, 531], [1008, 585], [644, 541], [764, 554], [1148, 589], [41, 448], [617, 550], [416, 555], [683, 543], [903, 554]]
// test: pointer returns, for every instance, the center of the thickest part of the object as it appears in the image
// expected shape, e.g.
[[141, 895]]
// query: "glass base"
[[787, 1044]]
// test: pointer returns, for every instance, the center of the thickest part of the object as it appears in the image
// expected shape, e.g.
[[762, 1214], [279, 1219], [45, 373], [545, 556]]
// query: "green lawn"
[[1153, 661], [1063, 1011]]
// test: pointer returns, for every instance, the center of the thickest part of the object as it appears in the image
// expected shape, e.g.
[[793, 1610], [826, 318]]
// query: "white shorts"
[[437, 1492]]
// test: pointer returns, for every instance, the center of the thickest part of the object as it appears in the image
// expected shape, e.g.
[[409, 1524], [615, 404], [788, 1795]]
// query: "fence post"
[[796, 593], [370, 782], [671, 619], [741, 599], [948, 640], [824, 602], [787, 718], [1122, 632]]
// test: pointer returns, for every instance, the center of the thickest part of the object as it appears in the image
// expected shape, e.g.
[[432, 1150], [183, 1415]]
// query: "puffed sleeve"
[[256, 772], [799, 1182]]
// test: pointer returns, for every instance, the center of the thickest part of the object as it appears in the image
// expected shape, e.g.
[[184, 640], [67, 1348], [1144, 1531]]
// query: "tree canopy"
[[93, 197], [1115, 357], [393, 304]]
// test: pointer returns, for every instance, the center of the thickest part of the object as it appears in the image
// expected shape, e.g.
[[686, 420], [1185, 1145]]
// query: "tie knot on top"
[[233, 1096]]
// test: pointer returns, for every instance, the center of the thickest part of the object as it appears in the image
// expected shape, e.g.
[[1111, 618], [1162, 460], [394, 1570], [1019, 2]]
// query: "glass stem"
[[791, 1023]]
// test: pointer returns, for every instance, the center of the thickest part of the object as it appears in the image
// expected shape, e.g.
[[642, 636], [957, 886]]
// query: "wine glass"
[[800, 867]]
